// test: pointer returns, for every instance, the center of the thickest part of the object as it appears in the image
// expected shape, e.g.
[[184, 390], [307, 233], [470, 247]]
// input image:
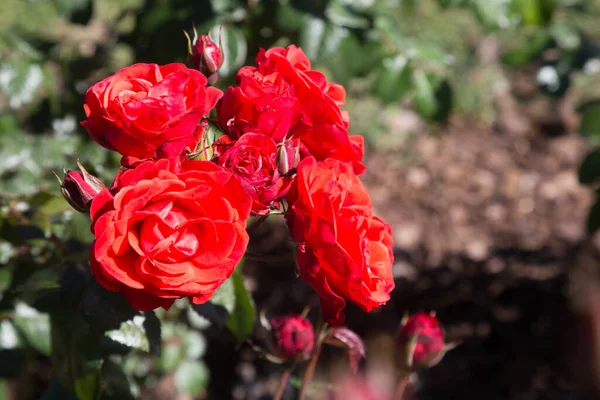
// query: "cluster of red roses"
[[172, 224]]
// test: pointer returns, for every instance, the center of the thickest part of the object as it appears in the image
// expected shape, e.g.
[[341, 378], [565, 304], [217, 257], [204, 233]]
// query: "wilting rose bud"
[[80, 188], [293, 336], [205, 55], [421, 340]]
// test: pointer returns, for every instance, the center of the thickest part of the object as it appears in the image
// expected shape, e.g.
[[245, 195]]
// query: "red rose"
[[253, 159], [145, 107], [263, 103], [284, 98], [293, 335], [422, 335], [344, 252], [324, 128], [169, 231]]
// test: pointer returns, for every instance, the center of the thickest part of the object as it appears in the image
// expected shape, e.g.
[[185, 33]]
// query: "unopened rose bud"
[[293, 336], [80, 188], [205, 55], [421, 341], [288, 157]]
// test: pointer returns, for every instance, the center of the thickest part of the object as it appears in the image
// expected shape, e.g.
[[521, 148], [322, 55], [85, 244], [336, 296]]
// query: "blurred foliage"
[[420, 55]]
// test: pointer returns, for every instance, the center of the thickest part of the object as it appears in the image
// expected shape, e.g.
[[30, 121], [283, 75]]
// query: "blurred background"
[[481, 119]]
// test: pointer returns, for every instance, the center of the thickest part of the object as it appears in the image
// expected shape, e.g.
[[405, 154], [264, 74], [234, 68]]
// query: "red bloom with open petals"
[[263, 103], [344, 252], [283, 98], [324, 129], [167, 231], [145, 107], [253, 160]]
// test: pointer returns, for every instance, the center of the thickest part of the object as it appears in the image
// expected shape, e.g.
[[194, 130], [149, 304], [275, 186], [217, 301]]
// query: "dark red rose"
[[168, 230], [146, 107], [422, 340], [344, 252], [293, 336], [263, 103], [253, 160]]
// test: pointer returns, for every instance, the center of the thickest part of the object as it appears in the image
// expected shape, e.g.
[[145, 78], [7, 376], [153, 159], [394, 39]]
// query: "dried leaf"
[[344, 337]]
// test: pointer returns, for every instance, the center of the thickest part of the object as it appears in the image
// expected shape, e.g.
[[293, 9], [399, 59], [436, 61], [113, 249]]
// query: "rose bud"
[[80, 188], [293, 336], [421, 341], [288, 157], [204, 55]]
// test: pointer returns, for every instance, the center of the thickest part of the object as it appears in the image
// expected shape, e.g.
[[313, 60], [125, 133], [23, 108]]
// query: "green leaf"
[[114, 384], [494, 13], [87, 386], [312, 34], [426, 51], [234, 48], [6, 253], [394, 79], [532, 45], [196, 320], [589, 171], [565, 36], [153, 331], [433, 96], [9, 337], [241, 321], [220, 306], [223, 6], [342, 16], [131, 334], [288, 18], [535, 12], [40, 282], [105, 310], [425, 101], [590, 120], [35, 326], [191, 377], [20, 82]]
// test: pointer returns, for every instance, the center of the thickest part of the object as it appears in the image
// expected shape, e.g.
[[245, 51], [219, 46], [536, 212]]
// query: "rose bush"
[[253, 160], [168, 230], [344, 252], [145, 107]]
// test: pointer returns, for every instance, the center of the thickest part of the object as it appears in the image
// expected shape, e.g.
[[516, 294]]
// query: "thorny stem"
[[282, 383]]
